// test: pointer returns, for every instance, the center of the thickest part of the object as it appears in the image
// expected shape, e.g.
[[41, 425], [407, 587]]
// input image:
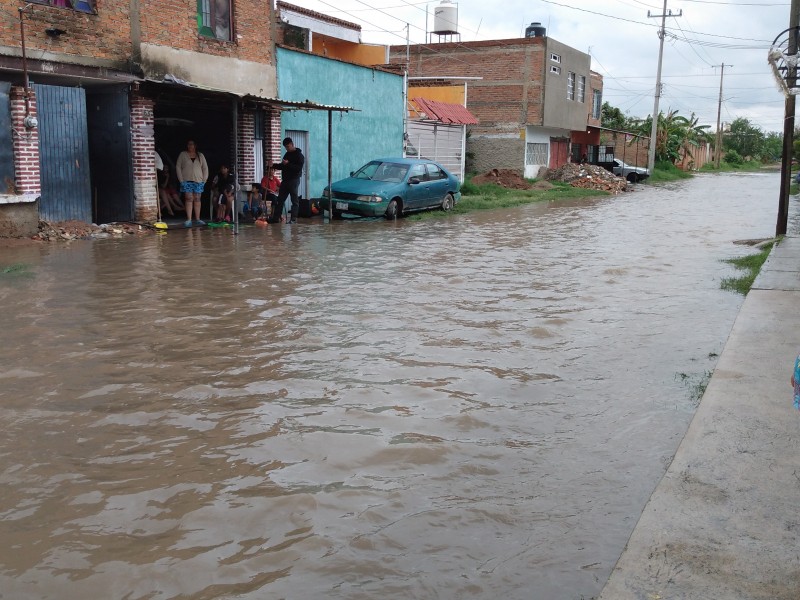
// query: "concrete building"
[[320, 58], [534, 94]]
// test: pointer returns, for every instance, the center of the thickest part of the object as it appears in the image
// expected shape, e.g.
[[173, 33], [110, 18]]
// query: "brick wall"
[[173, 23], [26, 144], [273, 150], [510, 93], [144, 161], [246, 136], [105, 35]]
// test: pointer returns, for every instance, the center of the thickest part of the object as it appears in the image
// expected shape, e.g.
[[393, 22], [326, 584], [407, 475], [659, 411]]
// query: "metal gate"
[[300, 139], [63, 154], [109, 126]]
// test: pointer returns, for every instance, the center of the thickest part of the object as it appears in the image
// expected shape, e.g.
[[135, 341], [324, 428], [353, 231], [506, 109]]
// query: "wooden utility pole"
[[788, 124], [719, 116], [651, 156]]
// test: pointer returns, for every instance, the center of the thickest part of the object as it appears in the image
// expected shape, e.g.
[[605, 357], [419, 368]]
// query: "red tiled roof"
[[445, 112]]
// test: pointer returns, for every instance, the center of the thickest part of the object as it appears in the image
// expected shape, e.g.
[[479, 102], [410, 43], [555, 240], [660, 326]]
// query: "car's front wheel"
[[633, 177], [393, 210], [448, 202]]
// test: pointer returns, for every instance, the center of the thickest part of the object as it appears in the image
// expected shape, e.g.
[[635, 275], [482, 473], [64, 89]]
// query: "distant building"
[[534, 94]]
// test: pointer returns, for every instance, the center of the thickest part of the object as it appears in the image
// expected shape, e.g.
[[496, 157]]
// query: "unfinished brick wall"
[[26, 144], [510, 93], [245, 135], [145, 194], [105, 35], [273, 150], [173, 23]]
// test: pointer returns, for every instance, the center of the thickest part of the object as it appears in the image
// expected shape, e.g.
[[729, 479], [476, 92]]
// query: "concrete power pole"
[[651, 155], [718, 148], [788, 125]]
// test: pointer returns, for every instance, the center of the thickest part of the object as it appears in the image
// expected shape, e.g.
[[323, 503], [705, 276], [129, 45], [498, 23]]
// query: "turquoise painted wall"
[[358, 137]]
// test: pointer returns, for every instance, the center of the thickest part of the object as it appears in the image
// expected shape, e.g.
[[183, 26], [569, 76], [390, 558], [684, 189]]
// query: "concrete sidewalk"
[[724, 522]]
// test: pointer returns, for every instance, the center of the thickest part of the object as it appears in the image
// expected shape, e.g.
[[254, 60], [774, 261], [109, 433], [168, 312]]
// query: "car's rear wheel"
[[633, 177], [448, 202], [393, 210]]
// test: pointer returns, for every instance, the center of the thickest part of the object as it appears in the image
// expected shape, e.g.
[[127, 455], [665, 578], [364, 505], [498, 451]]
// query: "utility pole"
[[719, 116], [651, 156], [788, 124]]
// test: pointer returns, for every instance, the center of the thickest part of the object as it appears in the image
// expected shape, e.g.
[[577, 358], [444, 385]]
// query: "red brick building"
[[531, 95], [111, 81]]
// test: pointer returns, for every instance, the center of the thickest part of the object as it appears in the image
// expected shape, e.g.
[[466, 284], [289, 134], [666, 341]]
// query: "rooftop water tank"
[[445, 18], [535, 30]]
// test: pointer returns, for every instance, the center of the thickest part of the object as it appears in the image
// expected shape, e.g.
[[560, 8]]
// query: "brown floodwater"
[[472, 407]]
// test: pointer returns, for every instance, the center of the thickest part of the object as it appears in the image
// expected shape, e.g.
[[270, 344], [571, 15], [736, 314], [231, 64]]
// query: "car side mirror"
[[352, 173], [413, 179]]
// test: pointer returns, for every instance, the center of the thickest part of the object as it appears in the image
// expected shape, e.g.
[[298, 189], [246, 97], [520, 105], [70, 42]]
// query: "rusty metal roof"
[[445, 112]]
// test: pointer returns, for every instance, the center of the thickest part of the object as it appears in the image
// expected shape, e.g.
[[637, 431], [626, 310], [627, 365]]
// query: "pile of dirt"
[[78, 230], [507, 178], [589, 177]]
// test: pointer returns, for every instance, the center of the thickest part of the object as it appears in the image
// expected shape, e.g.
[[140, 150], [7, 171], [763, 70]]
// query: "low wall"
[[19, 219]]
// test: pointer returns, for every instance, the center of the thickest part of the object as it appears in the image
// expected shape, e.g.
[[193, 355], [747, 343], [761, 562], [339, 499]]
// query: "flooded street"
[[471, 407]]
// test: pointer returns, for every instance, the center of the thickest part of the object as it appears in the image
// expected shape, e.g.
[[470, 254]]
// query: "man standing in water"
[[292, 168]]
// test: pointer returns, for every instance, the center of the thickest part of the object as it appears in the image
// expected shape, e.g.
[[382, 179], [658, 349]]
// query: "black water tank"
[[535, 30]]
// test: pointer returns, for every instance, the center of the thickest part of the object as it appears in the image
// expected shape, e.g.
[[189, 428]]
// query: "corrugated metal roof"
[[445, 112], [175, 82]]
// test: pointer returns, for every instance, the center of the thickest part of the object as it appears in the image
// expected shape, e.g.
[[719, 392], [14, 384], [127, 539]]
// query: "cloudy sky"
[[623, 43]]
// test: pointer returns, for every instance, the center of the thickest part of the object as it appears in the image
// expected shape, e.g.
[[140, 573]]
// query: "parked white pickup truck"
[[630, 172]]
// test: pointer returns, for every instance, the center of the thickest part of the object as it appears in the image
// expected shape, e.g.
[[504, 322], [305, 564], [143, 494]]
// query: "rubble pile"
[[78, 230], [589, 177], [507, 178]]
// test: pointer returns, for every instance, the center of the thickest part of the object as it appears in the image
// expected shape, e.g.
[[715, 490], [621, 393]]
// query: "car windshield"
[[382, 171]]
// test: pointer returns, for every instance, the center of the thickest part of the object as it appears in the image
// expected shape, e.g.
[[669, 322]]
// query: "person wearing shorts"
[[192, 172]]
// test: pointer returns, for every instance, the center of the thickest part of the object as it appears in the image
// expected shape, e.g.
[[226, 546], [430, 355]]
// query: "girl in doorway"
[[192, 171]]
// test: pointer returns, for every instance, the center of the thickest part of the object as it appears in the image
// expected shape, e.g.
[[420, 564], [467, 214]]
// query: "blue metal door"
[[64, 154]]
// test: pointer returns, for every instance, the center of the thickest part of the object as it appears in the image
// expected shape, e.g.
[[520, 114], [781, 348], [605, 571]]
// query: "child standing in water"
[[796, 382]]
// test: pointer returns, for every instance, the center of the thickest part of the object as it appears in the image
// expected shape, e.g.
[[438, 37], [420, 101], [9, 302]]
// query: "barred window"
[[536, 154], [571, 86], [582, 88]]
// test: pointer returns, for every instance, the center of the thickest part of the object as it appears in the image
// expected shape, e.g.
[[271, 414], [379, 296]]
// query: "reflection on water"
[[474, 407]]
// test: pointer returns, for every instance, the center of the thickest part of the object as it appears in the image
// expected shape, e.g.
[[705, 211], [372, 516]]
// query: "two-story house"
[[531, 96], [89, 89]]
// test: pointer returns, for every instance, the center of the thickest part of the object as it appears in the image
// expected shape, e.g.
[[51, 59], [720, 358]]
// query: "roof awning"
[[281, 104], [453, 114]]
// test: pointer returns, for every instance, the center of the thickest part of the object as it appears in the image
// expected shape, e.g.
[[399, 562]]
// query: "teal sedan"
[[391, 187]]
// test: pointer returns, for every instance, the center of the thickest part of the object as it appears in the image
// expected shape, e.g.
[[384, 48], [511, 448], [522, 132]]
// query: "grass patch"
[[665, 171], [490, 196], [17, 270], [697, 384], [751, 264], [748, 165]]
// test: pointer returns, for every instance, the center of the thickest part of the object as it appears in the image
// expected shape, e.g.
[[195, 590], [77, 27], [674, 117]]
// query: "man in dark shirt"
[[292, 168]]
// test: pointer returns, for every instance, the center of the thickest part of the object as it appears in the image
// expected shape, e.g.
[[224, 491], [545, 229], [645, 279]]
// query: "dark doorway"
[[180, 119], [109, 126]]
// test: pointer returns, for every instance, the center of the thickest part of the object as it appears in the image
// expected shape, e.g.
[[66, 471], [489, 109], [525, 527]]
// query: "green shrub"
[[732, 157]]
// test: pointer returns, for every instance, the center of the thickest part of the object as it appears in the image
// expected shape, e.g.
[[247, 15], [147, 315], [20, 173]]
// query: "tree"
[[613, 118], [745, 138], [676, 135]]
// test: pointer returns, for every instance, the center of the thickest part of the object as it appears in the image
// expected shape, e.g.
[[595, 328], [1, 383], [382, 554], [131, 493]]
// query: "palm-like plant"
[[676, 135]]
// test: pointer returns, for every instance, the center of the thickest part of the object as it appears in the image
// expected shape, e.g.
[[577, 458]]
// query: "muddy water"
[[475, 407]]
